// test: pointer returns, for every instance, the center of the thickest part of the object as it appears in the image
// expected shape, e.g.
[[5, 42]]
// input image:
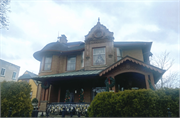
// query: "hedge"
[[17, 96], [135, 103]]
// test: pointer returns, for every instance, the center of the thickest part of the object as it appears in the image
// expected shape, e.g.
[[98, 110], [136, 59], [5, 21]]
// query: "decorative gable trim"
[[127, 58]]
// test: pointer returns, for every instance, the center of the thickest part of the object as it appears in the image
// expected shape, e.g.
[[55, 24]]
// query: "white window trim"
[[4, 71], [15, 75]]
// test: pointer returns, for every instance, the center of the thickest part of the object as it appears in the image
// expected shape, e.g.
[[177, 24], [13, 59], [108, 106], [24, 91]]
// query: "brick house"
[[77, 65]]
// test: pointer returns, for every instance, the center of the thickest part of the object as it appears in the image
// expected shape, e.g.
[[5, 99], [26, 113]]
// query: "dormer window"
[[99, 56], [71, 63], [119, 54], [47, 63]]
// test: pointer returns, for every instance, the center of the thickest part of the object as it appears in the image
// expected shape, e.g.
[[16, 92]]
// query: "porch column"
[[152, 80], [49, 93], [46, 94], [146, 80], [39, 94], [59, 92], [42, 94]]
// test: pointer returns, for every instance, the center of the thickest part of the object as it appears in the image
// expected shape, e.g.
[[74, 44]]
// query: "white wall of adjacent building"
[[8, 71]]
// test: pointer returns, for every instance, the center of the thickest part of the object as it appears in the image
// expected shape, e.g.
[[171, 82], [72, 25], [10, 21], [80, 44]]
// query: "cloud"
[[33, 24]]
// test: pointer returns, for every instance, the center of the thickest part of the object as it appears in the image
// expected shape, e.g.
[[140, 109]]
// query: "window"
[[119, 55], [99, 56], [71, 63], [82, 59], [47, 63], [14, 76], [3, 71]]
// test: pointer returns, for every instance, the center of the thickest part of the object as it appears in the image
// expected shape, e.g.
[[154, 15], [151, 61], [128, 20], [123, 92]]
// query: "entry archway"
[[130, 80]]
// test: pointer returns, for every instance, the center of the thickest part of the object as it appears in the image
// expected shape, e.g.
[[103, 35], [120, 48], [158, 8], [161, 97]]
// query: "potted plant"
[[35, 102]]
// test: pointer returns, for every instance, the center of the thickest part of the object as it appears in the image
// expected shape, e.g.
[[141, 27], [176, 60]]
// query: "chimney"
[[62, 39]]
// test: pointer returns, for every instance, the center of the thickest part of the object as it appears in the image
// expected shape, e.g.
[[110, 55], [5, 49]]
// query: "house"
[[9, 71], [88, 65], [27, 78]]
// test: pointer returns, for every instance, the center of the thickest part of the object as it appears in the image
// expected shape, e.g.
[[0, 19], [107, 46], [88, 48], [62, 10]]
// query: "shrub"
[[136, 103], [17, 96], [35, 100]]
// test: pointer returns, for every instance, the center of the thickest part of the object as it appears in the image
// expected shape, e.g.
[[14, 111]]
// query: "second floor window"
[[3, 71], [14, 76], [71, 63], [99, 56], [82, 59], [47, 63], [119, 55]]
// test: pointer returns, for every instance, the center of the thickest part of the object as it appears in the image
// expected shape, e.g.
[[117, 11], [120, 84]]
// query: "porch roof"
[[157, 71], [70, 74]]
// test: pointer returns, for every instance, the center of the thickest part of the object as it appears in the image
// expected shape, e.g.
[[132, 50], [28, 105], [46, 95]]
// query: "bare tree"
[[4, 8], [164, 62]]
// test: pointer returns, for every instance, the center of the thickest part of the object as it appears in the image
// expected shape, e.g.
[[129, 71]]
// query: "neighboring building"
[[27, 78], [9, 71], [88, 64]]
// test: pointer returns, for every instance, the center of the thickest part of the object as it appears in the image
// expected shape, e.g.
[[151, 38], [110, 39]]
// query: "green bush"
[[17, 96], [35, 100], [135, 103]]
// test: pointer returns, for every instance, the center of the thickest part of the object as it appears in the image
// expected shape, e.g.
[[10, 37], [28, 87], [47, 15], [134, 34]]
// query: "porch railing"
[[70, 108]]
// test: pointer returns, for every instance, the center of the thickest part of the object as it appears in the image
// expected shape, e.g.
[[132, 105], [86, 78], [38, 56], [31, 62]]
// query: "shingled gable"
[[128, 58]]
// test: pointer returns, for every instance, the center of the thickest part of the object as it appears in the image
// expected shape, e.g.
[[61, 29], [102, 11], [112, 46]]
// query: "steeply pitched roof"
[[28, 75]]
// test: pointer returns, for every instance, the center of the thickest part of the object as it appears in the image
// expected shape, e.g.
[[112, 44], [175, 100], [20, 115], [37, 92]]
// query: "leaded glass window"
[[71, 63], [99, 56]]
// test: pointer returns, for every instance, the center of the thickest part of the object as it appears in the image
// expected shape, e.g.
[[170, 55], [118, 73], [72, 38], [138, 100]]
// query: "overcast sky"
[[35, 23]]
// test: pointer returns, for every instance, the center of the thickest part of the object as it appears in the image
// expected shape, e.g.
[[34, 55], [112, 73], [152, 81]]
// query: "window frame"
[[4, 71], [71, 56], [14, 78], [44, 63], [93, 55]]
